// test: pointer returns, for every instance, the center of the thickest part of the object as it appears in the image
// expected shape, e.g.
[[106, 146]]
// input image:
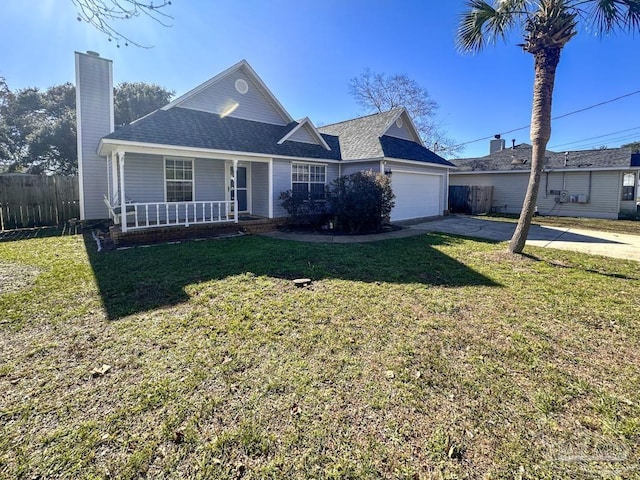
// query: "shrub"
[[360, 202], [304, 211]]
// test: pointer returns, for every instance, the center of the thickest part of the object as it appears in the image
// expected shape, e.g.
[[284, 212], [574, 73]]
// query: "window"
[[629, 186], [179, 175], [308, 181]]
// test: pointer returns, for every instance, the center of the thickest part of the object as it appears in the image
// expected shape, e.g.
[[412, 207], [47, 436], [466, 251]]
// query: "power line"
[[554, 118], [611, 140], [593, 138]]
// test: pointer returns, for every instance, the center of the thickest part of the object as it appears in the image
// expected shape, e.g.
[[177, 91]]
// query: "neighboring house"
[[584, 183], [229, 146]]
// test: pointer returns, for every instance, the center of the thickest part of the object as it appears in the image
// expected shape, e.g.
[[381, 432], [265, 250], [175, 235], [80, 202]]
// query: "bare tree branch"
[[378, 92], [104, 14]]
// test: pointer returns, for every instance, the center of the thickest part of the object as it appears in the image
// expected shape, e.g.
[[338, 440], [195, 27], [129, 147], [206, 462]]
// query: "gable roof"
[[518, 158], [250, 72], [403, 114], [359, 137], [193, 128], [203, 118], [313, 131], [364, 137]]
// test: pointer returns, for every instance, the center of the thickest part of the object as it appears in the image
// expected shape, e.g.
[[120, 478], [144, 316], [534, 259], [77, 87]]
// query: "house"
[[598, 183], [226, 149]]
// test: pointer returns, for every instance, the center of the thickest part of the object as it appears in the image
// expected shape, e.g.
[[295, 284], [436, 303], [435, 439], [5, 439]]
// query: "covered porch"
[[162, 189]]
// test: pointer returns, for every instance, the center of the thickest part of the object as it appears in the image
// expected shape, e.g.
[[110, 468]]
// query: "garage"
[[417, 195]]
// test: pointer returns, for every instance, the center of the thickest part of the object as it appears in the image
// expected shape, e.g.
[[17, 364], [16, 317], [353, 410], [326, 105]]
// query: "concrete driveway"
[[615, 245]]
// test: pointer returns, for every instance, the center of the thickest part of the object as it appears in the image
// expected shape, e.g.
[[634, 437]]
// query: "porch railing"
[[164, 214]]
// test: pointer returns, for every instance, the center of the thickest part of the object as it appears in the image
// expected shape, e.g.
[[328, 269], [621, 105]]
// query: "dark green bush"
[[304, 211], [356, 203], [360, 202]]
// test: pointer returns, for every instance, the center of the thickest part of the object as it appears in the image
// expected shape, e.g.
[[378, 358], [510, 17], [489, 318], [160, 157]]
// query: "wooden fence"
[[470, 200], [37, 200]]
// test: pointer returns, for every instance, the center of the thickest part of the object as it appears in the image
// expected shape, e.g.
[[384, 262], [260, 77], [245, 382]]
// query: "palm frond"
[[610, 15], [483, 23]]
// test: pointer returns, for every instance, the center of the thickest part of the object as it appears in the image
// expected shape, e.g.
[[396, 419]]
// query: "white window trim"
[[326, 173], [193, 176], [634, 185]]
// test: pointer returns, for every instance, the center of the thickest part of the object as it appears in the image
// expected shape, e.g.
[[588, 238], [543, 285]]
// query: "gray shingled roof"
[[363, 138], [359, 139], [193, 128], [404, 149], [518, 158]]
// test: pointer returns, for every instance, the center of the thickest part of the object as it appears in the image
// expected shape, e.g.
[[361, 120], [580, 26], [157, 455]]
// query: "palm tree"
[[547, 26]]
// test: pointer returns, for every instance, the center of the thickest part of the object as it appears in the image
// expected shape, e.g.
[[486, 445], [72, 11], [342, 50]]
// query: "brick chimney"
[[496, 145], [94, 120]]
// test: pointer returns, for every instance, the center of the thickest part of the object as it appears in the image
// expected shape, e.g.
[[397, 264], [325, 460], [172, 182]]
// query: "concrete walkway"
[[593, 242]]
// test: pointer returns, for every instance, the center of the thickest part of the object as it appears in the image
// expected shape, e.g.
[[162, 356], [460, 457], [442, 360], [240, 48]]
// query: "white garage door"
[[417, 195]]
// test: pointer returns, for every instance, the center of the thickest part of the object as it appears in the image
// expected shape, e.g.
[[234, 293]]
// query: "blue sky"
[[306, 52]]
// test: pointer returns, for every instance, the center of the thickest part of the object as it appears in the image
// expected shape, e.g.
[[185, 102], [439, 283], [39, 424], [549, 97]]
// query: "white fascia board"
[[314, 133], [250, 71], [407, 117], [418, 162], [107, 146]]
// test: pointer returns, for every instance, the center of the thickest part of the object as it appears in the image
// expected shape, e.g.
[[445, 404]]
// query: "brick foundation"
[[178, 233]]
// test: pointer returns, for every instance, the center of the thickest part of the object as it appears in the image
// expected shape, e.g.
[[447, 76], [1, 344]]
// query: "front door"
[[243, 195]]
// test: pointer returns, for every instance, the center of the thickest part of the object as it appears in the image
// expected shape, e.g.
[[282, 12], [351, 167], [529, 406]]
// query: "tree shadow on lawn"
[[146, 278]]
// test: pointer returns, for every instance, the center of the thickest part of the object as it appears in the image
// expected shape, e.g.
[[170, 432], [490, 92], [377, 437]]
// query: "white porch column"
[[235, 190], [271, 188], [123, 205], [114, 179]]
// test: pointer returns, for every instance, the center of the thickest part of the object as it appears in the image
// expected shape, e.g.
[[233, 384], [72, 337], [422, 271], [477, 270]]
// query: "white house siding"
[[281, 183], [399, 132], [209, 180], [349, 168], [333, 172], [303, 135], [94, 102], [260, 189], [144, 178], [222, 96], [509, 190]]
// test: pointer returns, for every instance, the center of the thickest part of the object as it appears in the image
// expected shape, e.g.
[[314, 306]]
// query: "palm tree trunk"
[[545, 64]]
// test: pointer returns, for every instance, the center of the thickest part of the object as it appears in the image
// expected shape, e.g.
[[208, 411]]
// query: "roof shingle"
[[518, 158], [358, 139], [193, 128]]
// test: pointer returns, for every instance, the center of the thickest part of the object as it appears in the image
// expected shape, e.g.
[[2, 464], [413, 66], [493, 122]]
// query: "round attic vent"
[[399, 122], [241, 86]]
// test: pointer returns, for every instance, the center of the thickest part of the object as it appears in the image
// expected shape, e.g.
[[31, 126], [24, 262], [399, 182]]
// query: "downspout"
[[546, 184]]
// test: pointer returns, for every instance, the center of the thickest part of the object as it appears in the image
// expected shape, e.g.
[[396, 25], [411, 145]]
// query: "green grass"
[[425, 357]]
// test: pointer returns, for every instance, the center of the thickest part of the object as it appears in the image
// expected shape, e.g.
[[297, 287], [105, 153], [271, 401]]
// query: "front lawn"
[[425, 357]]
